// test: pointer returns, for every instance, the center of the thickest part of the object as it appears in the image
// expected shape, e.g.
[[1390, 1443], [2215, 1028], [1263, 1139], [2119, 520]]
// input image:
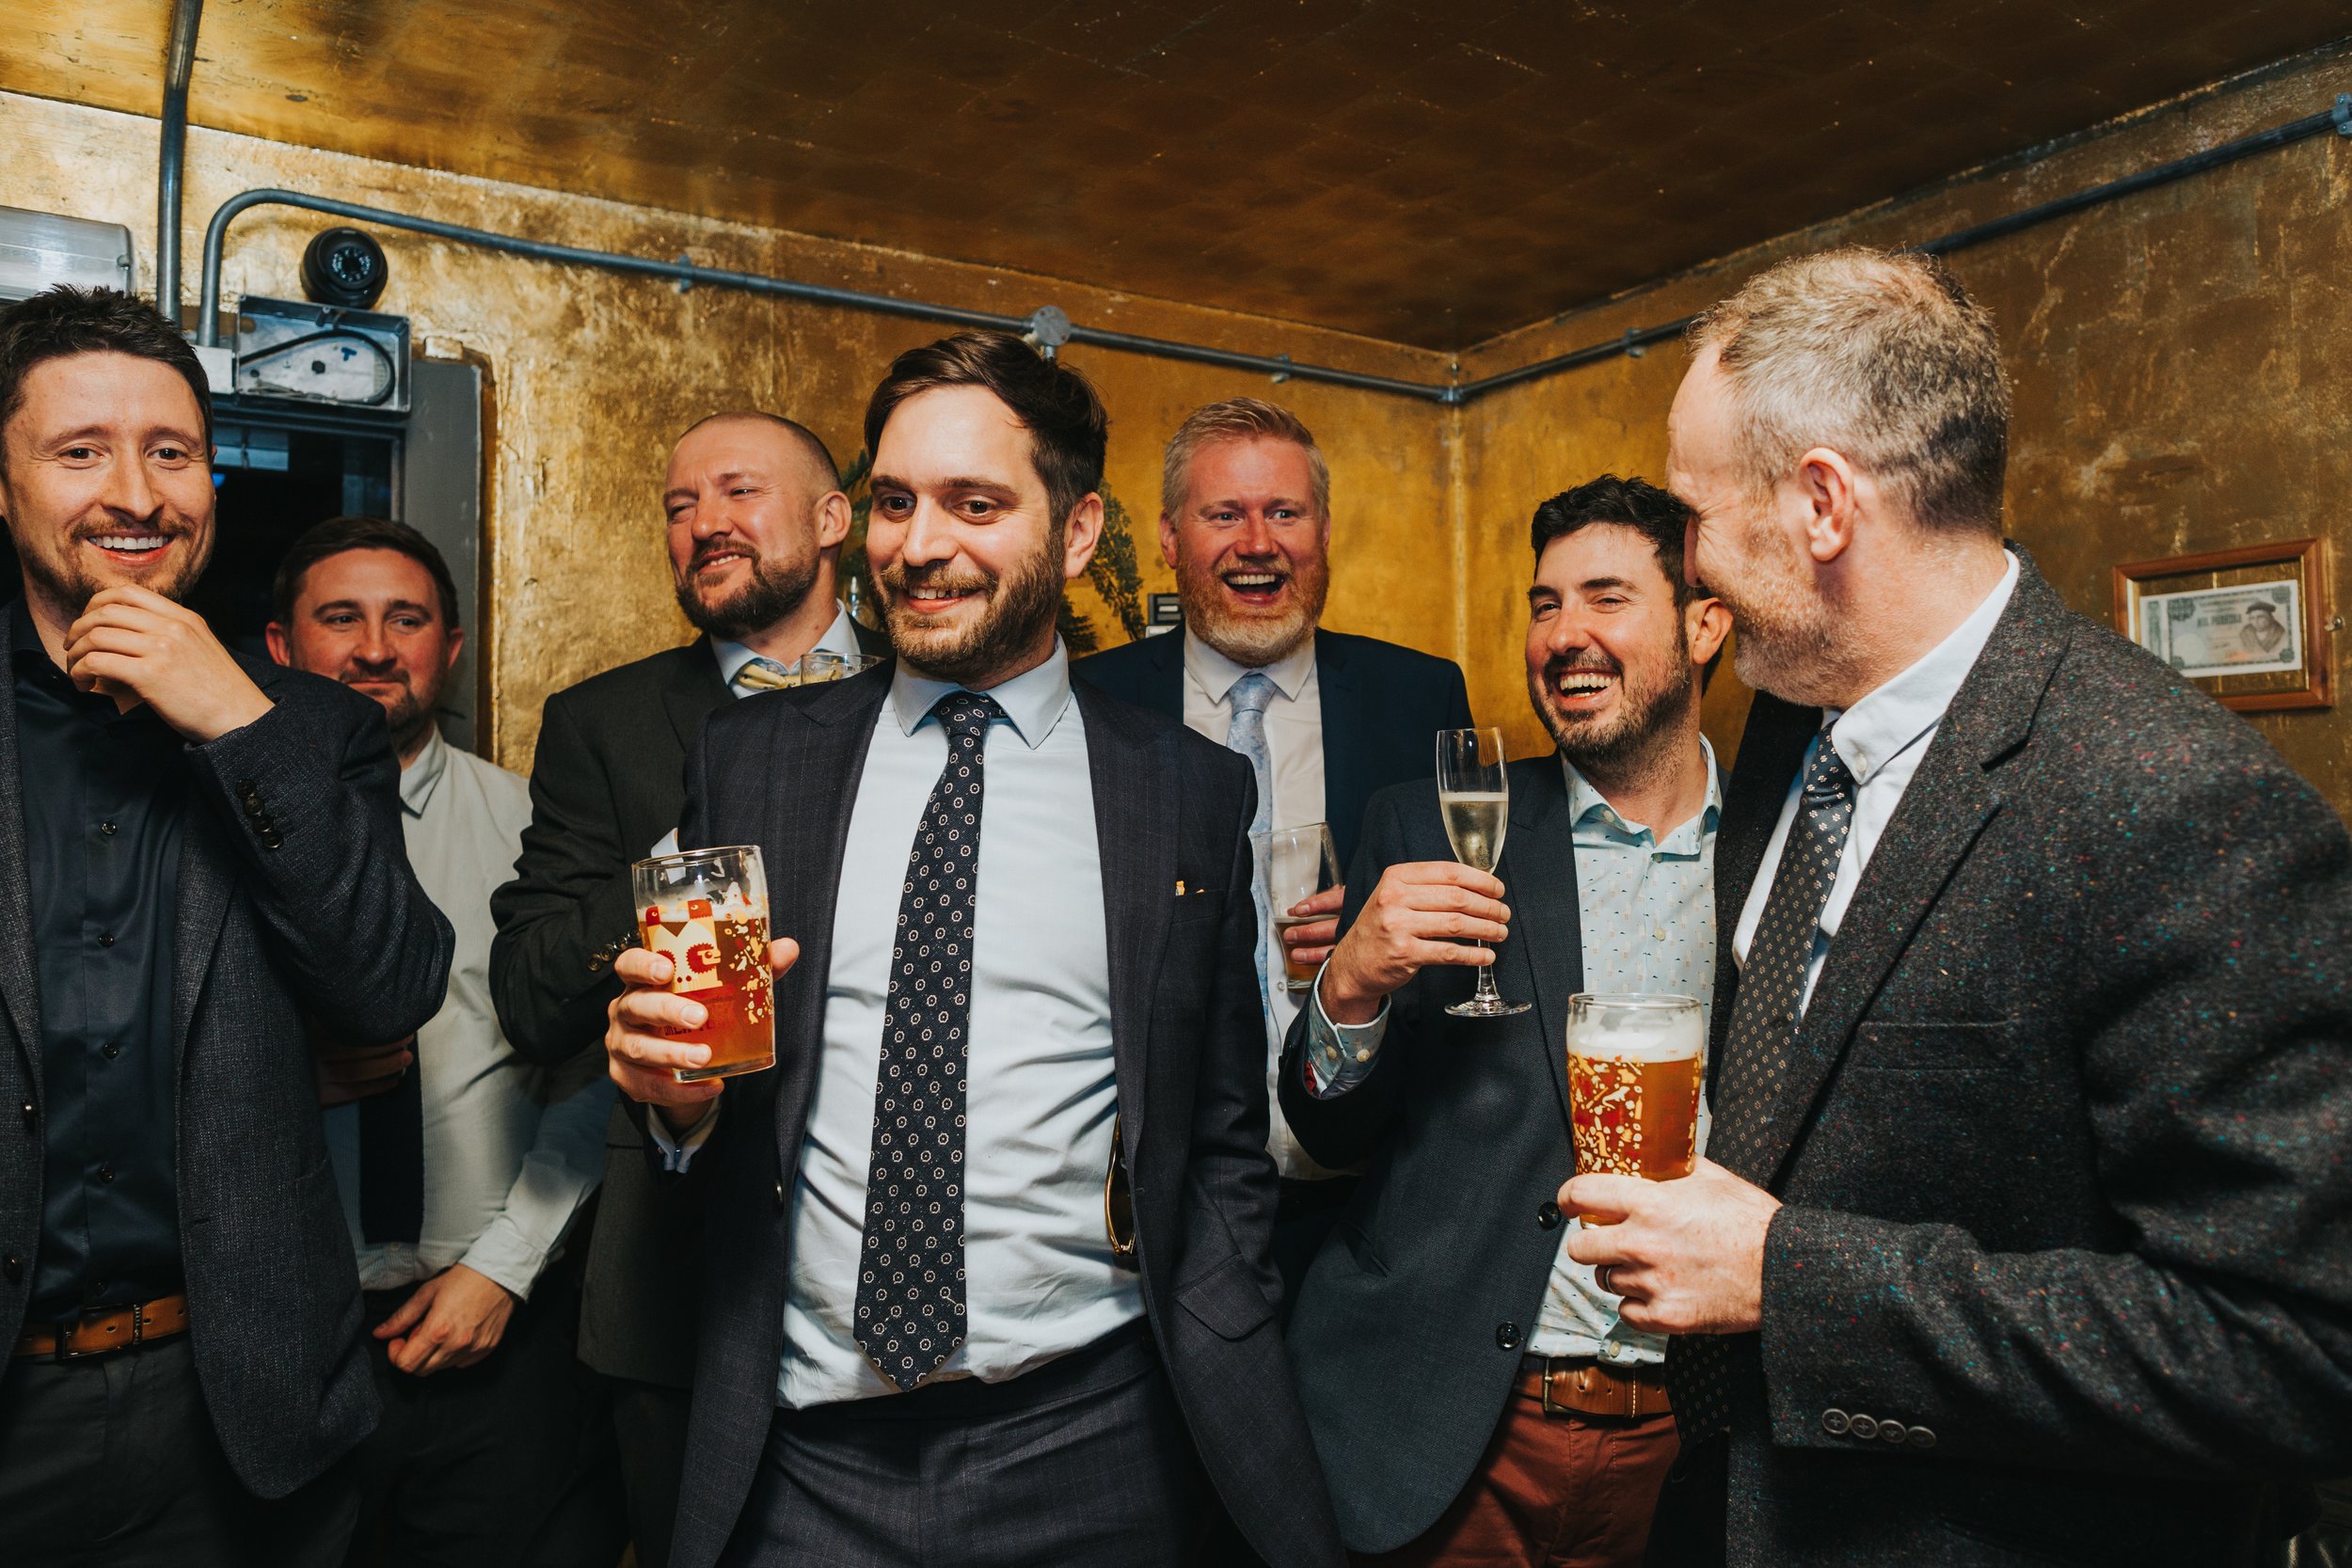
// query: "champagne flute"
[[1475, 797]]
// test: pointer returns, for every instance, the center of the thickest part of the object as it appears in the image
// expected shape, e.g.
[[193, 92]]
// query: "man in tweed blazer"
[[2031, 1237]]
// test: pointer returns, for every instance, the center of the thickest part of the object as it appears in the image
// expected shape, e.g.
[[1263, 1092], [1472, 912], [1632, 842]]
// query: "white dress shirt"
[[1040, 1083], [1880, 739], [1293, 738], [511, 1151]]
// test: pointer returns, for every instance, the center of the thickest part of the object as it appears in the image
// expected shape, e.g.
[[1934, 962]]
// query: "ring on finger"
[[1602, 1278]]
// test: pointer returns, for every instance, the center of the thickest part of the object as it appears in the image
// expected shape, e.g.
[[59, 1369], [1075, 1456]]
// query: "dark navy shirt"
[[104, 795]]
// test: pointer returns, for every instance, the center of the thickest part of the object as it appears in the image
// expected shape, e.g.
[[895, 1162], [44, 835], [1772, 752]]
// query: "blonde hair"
[[1236, 420], [1880, 355]]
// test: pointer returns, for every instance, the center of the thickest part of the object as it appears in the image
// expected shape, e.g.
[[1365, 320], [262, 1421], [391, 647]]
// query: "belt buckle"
[[63, 1328], [1551, 1370]]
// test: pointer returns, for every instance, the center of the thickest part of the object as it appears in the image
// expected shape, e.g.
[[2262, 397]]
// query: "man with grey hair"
[[1326, 719], [2029, 1235]]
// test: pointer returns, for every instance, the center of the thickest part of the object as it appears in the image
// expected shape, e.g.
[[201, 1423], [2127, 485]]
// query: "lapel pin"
[[1180, 887]]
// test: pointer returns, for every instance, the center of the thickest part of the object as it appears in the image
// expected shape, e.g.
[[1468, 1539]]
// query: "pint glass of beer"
[[1634, 1065], [706, 911]]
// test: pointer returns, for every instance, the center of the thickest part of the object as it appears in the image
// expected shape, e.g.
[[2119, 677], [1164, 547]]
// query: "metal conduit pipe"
[[178, 64], [1049, 328]]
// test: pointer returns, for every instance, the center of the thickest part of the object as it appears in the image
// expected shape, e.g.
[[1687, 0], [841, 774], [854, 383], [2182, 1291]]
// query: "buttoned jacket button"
[[31, 1115], [1863, 1428], [1549, 1216], [12, 1266], [1835, 1422], [105, 938], [270, 839], [248, 790], [1922, 1439], [779, 1195], [111, 1050], [1507, 1335]]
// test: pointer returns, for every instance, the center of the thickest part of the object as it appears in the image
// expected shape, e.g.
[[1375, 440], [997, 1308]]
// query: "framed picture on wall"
[[2254, 627]]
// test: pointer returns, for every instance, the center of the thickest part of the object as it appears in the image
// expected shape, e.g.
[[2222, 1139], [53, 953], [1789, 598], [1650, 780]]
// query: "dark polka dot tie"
[[910, 1298], [1756, 1049]]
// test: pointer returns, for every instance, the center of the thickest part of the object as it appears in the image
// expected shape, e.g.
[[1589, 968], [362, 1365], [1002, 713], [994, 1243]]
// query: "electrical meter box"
[[39, 250], [322, 353]]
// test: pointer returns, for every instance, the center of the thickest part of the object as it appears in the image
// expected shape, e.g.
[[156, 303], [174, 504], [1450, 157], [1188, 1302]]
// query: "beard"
[[407, 716], [1250, 637], [770, 590], [68, 582], [1020, 608], [1614, 745], [1784, 634]]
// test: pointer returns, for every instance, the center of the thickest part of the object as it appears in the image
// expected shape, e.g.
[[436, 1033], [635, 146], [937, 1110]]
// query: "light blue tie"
[[1246, 734]]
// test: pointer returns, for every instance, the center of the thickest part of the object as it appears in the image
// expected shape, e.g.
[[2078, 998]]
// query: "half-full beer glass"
[[706, 911], [1295, 864], [1634, 1065]]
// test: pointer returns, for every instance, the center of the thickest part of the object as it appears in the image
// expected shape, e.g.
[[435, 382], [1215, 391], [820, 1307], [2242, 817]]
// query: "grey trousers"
[[111, 1463], [1084, 1461]]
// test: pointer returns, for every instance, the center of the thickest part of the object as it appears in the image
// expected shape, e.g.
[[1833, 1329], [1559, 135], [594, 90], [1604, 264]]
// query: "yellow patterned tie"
[[765, 675], [1755, 1052]]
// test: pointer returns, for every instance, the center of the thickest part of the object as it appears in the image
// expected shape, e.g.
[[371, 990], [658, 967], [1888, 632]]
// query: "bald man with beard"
[[756, 518]]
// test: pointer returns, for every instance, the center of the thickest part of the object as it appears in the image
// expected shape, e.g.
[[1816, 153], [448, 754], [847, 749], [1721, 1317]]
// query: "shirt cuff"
[[678, 1153], [1339, 1056], [505, 1258]]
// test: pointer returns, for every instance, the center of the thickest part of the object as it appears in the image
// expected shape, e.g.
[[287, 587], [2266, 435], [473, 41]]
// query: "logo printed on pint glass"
[[692, 945]]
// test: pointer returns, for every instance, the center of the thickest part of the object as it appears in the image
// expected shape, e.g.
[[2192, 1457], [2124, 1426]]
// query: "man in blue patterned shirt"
[[1473, 1392]]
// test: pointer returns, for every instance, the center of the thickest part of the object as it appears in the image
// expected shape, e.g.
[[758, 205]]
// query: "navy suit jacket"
[[1382, 707], [1171, 810]]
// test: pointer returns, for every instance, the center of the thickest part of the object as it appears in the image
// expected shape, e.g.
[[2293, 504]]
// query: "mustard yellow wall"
[[2182, 361], [592, 375]]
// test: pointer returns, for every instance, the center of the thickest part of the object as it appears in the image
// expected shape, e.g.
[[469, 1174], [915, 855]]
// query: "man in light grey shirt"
[[462, 1171]]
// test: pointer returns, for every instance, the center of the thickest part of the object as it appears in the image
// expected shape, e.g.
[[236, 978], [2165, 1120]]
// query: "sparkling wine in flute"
[[706, 911], [1475, 824], [1474, 798], [1634, 1067]]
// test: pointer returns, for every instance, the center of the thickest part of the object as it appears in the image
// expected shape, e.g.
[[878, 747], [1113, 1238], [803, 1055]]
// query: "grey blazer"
[[327, 921], [782, 771], [2062, 1140]]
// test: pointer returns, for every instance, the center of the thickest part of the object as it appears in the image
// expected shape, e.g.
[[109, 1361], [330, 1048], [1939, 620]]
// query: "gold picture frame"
[[2254, 627]]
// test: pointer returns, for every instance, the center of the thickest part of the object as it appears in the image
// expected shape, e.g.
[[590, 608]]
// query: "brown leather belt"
[[108, 1329], [1582, 1387]]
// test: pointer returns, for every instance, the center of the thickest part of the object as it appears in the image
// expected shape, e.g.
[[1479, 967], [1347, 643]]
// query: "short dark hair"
[[337, 534], [812, 446], [61, 321], [1068, 427], [1656, 514]]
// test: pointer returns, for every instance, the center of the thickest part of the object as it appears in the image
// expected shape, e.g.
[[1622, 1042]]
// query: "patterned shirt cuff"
[[1339, 1056]]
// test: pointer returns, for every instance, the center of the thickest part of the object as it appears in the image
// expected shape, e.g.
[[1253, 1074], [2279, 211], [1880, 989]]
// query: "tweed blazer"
[[2061, 1140], [1172, 816], [1382, 706], [296, 903], [607, 781]]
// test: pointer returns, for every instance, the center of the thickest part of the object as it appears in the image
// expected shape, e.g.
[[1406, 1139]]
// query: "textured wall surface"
[[592, 375], [2182, 360]]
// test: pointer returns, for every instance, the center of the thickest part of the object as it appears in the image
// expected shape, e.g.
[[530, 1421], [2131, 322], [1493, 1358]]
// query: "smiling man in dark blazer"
[[1021, 910], [756, 518], [201, 879], [1326, 719], [2025, 1234]]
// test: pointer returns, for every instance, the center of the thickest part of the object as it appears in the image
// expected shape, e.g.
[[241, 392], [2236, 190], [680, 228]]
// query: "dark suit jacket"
[[328, 922], [607, 782], [1382, 707], [2062, 1139], [782, 771], [1407, 1333]]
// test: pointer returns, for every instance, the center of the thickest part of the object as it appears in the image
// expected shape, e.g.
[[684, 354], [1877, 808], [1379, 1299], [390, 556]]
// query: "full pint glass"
[[706, 911], [1634, 1065]]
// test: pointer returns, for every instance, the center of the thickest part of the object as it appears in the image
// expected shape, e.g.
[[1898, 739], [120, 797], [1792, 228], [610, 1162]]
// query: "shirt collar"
[[418, 779], [1216, 673], [1587, 804], [1884, 724], [1033, 701], [840, 638]]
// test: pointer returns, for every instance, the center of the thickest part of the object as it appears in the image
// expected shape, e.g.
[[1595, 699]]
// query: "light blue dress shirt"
[[1645, 914], [1040, 1090]]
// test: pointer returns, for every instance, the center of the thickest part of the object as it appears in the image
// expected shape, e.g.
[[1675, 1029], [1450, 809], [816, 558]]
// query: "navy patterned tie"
[[1755, 1051], [910, 1298]]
